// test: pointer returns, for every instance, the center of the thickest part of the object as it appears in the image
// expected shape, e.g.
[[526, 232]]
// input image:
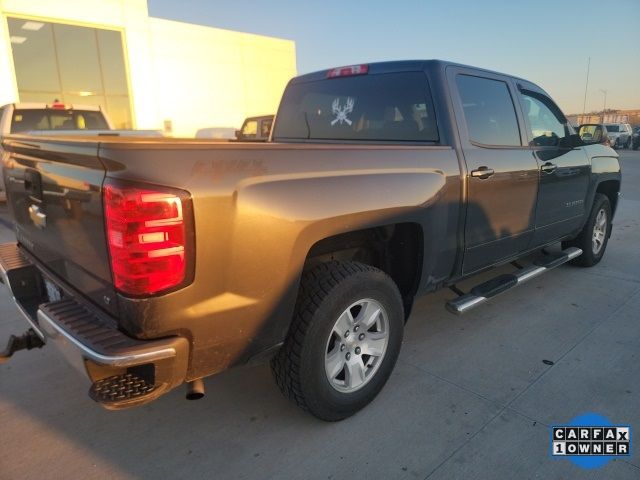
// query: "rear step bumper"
[[135, 371], [71, 325], [483, 292]]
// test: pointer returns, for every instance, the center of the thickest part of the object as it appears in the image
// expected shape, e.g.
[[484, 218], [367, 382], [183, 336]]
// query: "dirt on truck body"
[[155, 262]]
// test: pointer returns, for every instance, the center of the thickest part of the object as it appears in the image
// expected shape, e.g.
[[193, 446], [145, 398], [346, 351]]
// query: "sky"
[[545, 41]]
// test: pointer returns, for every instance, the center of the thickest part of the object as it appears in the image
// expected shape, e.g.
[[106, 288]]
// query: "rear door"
[[502, 178], [54, 192], [565, 171]]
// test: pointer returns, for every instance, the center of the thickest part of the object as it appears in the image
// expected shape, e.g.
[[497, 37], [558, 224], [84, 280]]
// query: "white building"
[[146, 72]]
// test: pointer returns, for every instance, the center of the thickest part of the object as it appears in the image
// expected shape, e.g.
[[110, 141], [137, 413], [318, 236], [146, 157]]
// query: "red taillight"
[[147, 238], [58, 106], [348, 71]]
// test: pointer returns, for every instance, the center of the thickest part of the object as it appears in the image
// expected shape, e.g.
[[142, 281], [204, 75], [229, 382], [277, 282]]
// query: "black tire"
[[584, 240], [326, 291], [636, 145]]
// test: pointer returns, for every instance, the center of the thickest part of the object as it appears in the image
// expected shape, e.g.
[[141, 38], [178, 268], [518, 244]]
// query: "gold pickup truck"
[[156, 262]]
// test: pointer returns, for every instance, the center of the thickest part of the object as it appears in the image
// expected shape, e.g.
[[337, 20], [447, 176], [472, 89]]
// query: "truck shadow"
[[242, 428]]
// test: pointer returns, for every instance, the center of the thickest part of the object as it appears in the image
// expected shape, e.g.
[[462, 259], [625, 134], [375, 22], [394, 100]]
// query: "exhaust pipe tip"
[[195, 389]]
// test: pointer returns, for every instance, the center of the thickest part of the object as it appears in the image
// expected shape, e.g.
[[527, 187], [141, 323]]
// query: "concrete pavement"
[[470, 397]]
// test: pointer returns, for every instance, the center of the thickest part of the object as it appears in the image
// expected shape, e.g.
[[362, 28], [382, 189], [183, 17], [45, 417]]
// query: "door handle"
[[482, 173], [548, 167]]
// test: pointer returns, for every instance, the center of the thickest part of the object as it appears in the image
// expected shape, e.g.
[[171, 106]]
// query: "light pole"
[[604, 106], [586, 86]]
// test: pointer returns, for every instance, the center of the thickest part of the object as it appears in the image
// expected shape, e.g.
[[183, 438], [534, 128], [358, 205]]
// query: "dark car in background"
[[255, 129], [635, 138]]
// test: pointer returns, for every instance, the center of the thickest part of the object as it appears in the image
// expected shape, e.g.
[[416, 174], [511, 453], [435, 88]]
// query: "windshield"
[[612, 128], [48, 119], [392, 107]]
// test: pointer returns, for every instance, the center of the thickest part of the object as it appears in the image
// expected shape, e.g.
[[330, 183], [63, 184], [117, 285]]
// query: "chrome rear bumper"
[[86, 337]]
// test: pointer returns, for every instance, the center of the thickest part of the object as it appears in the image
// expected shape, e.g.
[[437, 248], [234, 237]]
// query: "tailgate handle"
[[38, 218]]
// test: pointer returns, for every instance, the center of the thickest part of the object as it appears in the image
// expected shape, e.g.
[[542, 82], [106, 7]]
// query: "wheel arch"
[[610, 188], [396, 249]]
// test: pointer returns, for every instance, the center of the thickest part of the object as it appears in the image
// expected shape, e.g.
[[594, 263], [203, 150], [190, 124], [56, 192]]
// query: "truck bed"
[[254, 206]]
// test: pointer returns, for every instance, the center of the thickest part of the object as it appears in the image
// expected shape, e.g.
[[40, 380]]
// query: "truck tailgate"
[[54, 190]]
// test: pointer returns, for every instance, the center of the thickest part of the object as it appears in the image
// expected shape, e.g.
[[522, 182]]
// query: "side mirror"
[[592, 133]]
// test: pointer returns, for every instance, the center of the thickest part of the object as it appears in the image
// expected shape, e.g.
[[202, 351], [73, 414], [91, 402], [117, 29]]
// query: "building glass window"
[[75, 65], [34, 56]]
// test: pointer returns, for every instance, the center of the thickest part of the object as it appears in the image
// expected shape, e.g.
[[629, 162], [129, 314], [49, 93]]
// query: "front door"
[[502, 178], [565, 172]]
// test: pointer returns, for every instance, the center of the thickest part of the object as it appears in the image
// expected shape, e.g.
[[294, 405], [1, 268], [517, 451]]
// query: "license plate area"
[[54, 293]]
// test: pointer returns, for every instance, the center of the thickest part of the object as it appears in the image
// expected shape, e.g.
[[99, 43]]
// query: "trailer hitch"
[[27, 341]]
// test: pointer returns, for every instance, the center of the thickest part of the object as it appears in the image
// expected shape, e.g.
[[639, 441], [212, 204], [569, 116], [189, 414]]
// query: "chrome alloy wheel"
[[356, 346], [599, 231]]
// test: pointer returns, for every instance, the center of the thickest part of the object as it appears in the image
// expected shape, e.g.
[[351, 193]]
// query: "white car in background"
[[619, 134], [58, 119], [35, 117]]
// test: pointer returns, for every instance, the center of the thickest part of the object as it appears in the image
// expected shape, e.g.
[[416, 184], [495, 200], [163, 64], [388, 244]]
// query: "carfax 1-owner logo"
[[590, 440]]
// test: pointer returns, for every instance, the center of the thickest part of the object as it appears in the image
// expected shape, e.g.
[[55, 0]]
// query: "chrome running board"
[[495, 286]]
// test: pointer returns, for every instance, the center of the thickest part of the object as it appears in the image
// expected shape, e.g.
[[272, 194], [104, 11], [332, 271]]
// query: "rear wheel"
[[594, 236], [344, 340]]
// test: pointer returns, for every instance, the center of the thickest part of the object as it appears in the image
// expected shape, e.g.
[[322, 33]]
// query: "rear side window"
[[265, 128], [612, 128], [32, 119], [488, 111], [393, 107]]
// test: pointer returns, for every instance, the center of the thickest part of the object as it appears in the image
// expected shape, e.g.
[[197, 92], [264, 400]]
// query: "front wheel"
[[344, 339], [594, 236]]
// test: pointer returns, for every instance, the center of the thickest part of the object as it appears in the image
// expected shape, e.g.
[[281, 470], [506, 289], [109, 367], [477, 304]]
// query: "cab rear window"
[[393, 107], [25, 120]]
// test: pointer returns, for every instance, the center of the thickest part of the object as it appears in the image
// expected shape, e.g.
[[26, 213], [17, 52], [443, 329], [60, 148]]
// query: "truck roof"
[[43, 106], [401, 66]]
